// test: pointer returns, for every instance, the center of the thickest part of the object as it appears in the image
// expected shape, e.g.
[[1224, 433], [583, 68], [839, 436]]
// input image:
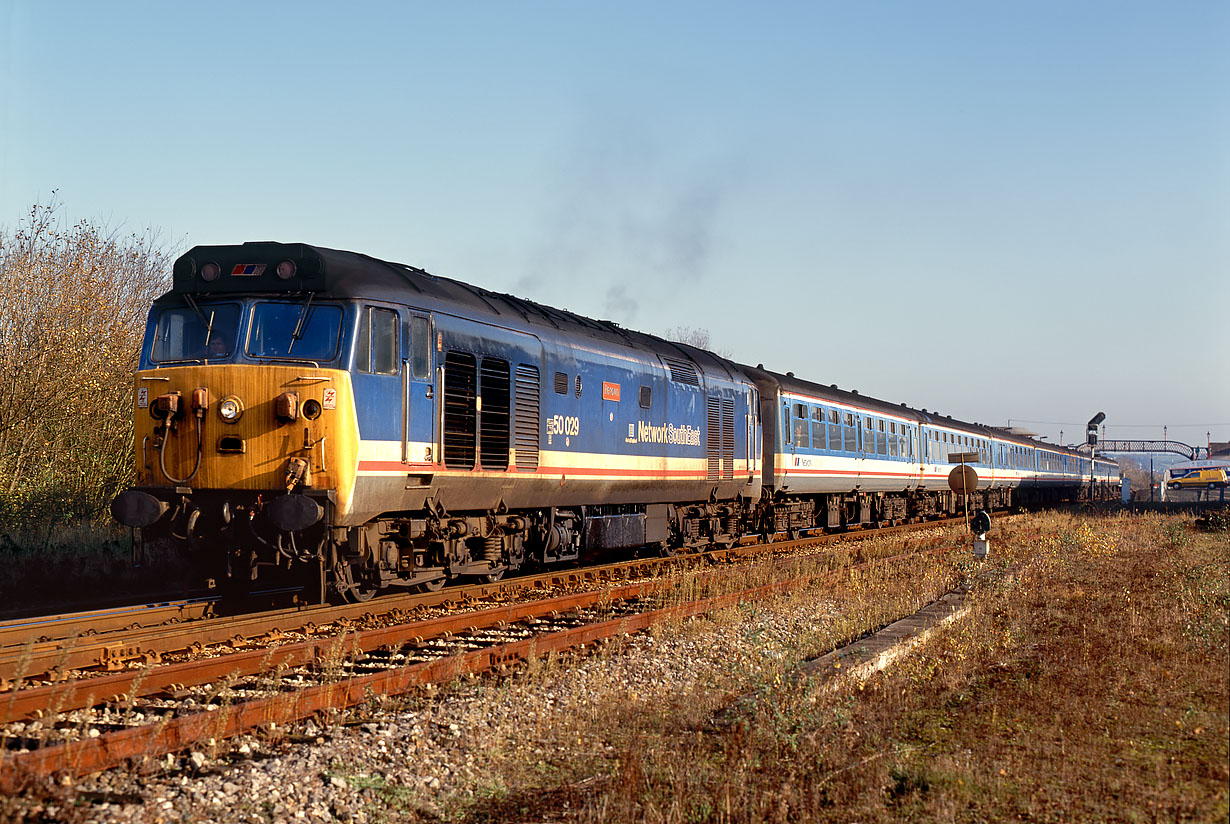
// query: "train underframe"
[[269, 542]]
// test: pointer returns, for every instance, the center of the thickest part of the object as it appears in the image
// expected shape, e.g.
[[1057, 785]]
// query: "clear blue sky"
[[998, 211]]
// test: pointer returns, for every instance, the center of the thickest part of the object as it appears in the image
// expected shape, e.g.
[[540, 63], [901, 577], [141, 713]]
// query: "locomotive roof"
[[251, 268]]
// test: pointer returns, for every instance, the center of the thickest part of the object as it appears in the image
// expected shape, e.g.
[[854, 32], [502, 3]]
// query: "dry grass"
[[1088, 683]]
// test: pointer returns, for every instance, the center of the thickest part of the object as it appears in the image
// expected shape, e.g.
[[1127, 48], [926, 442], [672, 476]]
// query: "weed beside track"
[[1088, 682], [1091, 684]]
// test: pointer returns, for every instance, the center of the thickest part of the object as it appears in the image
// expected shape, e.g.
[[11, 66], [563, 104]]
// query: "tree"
[[700, 338], [72, 312]]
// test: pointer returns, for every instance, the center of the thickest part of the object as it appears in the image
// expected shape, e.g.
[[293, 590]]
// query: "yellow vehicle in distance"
[[1197, 477]]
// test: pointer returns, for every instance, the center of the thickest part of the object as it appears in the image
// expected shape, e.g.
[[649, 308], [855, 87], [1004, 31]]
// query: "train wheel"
[[492, 577], [356, 592], [432, 586], [667, 550]]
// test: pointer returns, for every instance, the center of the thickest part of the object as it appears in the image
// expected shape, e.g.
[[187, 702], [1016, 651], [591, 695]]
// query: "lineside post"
[[962, 477]]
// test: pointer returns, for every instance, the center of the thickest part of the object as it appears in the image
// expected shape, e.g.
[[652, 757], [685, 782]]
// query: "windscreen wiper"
[[208, 324], [299, 325]]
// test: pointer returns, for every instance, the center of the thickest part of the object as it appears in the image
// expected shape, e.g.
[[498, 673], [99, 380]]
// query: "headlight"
[[286, 269], [230, 409], [210, 271]]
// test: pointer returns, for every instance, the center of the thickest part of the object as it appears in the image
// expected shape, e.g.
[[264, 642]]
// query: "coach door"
[[421, 404], [753, 440]]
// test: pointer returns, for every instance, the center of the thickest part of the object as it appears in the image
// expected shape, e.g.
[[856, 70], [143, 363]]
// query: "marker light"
[[230, 409], [210, 271], [286, 269]]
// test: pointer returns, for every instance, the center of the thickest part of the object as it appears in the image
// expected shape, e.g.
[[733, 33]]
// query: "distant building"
[[1219, 450]]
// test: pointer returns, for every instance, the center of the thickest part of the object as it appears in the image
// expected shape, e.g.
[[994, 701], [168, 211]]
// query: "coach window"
[[881, 443], [646, 398], [834, 431], [894, 447], [817, 427], [849, 435], [800, 425], [376, 352]]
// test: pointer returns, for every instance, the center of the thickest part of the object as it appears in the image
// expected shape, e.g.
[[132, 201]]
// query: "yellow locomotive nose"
[[236, 426]]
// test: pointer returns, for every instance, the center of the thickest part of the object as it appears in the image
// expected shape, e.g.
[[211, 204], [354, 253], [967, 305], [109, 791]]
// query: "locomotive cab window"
[[376, 349], [295, 331], [187, 334]]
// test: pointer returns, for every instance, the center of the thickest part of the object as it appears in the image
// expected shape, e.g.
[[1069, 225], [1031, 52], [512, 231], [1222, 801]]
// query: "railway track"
[[52, 648], [93, 723]]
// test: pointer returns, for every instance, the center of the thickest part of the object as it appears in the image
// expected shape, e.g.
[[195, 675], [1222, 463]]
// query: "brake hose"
[[162, 449]]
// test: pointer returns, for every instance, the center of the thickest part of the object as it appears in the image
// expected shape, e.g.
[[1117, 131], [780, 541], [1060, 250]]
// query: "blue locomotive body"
[[394, 428]]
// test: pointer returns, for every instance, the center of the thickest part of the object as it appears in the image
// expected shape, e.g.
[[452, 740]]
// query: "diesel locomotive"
[[361, 425]]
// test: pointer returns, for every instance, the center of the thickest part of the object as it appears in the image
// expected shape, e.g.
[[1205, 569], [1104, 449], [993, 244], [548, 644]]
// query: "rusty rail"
[[33, 659], [35, 702], [151, 741]]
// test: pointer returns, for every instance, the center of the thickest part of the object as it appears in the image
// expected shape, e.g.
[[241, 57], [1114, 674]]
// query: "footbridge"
[[1192, 453]]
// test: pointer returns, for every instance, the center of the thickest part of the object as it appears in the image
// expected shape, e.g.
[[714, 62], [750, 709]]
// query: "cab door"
[[375, 380], [419, 392]]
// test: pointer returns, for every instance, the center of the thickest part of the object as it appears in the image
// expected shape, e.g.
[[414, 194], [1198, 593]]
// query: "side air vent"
[[526, 422], [561, 383], [720, 438], [460, 420], [682, 371], [728, 438], [493, 445]]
